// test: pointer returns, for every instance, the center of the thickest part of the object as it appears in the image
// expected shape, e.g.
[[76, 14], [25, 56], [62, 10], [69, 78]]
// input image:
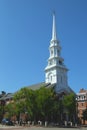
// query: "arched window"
[[51, 77]]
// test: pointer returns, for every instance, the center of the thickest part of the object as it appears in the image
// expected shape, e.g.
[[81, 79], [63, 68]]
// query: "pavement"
[[2, 127]]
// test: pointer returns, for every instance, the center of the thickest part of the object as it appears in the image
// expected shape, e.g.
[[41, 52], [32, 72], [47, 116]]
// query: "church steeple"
[[56, 71], [54, 34]]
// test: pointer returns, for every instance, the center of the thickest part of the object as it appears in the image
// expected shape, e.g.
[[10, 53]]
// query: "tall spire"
[[54, 35], [56, 71]]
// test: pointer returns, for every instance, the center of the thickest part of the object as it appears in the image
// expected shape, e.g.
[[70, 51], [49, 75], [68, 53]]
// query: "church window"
[[51, 78], [51, 52], [50, 62], [58, 52], [55, 51], [60, 62]]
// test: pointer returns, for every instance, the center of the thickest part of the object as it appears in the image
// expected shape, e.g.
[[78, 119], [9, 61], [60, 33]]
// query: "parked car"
[[6, 121]]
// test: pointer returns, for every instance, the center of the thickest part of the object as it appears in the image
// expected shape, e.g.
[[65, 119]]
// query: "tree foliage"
[[44, 101], [42, 104], [25, 99], [69, 103]]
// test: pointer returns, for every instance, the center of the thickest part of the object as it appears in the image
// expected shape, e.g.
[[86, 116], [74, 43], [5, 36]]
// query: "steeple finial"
[[54, 35]]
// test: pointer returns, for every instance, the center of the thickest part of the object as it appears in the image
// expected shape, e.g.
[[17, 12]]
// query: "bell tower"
[[56, 71]]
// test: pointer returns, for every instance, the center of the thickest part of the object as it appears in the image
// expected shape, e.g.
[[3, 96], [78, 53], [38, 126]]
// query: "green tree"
[[56, 110], [38, 103], [44, 102], [10, 110], [69, 103], [24, 101]]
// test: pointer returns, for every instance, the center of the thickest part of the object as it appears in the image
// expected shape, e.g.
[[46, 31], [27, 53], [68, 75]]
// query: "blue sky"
[[25, 34]]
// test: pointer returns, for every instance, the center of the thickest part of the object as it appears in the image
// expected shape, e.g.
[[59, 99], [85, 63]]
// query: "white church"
[[55, 71]]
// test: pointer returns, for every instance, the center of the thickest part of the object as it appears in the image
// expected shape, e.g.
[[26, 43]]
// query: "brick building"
[[81, 104]]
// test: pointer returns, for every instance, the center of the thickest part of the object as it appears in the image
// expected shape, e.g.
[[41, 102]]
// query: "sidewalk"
[[10, 127], [4, 127]]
